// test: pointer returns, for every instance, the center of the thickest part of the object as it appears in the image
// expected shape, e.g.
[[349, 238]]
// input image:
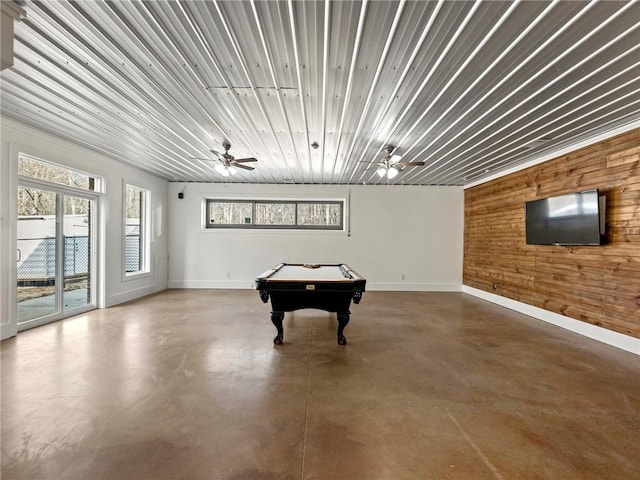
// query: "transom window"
[[50, 172], [290, 214]]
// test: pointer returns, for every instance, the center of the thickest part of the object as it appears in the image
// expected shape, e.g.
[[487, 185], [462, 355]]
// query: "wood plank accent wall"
[[596, 284]]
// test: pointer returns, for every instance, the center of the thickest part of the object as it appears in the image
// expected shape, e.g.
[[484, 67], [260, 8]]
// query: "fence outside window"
[[38, 268]]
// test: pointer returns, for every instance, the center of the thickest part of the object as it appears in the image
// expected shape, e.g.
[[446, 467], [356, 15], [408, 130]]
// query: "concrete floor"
[[187, 384]]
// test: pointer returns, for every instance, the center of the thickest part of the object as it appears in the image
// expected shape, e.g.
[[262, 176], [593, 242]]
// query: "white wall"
[[17, 138], [396, 230], [393, 231]]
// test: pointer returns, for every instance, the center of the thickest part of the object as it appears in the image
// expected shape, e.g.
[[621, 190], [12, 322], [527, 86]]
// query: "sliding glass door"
[[55, 254]]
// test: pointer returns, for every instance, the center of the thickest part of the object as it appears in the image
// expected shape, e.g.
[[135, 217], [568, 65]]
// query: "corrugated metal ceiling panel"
[[466, 87]]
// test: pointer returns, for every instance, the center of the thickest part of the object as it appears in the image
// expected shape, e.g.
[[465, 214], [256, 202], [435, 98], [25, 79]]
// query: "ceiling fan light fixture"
[[395, 158], [232, 170], [382, 171], [222, 170], [392, 172]]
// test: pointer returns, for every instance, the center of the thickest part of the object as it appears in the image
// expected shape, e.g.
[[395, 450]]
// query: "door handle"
[[19, 254]]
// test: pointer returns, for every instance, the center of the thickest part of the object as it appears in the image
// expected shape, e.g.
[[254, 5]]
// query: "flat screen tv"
[[572, 219]]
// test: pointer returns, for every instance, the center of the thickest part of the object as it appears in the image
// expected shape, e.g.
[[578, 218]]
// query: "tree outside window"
[[283, 214]]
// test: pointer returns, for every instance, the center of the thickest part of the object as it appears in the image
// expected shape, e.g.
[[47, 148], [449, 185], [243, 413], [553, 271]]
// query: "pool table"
[[296, 286]]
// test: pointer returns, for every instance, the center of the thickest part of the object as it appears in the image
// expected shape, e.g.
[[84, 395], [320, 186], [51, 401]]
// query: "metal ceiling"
[[470, 88]]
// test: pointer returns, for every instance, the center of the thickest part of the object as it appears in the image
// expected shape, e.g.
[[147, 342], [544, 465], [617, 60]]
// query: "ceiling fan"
[[391, 165], [228, 163]]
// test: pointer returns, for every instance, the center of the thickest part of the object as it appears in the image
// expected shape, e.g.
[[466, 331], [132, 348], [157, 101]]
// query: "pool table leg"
[[276, 319], [343, 319]]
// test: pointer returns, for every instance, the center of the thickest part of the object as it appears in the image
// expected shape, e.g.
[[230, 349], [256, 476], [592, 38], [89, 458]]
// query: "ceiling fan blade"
[[410, 164], [244, 167], [217, 154], [245, 160]]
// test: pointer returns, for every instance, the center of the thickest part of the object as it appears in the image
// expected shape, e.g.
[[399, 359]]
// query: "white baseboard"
[[229, 284], [8, 330], [113, 300], [370, 286], [615, 339], [413, 287]]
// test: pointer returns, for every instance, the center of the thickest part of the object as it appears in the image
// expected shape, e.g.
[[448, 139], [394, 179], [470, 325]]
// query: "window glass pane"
[[76, 231], [325, 214], [294, 214], [134, 246], [36, 253], [28, 167], [275, 213], [230, 213]]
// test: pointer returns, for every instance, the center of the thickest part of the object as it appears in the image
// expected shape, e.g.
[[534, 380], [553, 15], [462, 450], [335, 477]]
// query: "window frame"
[[96, 245], [96, 182], [256, 201], [144, 229]]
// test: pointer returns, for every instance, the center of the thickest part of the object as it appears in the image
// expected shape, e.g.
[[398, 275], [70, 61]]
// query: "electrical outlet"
[[495, 286], [403, 277], [228, 275]]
